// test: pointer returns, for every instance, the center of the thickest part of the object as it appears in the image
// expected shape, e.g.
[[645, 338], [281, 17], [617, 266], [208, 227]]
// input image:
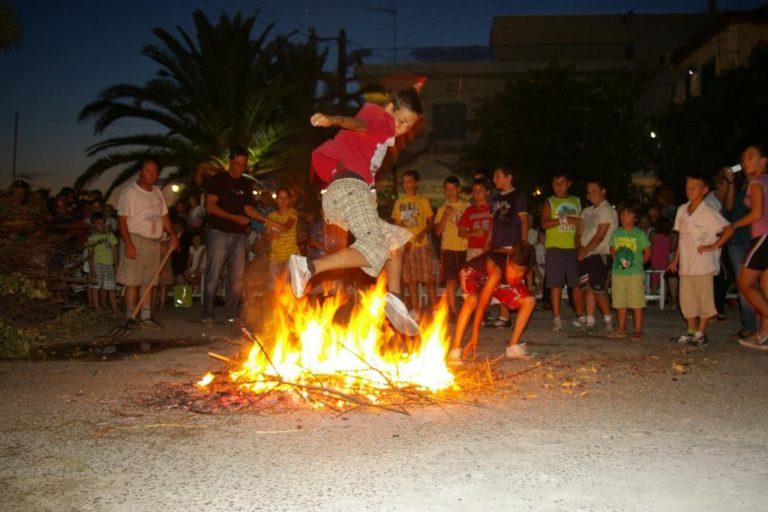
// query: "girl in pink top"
[[754, 161]]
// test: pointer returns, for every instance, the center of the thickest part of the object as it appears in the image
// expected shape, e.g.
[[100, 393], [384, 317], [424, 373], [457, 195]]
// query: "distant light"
[[175, 188], [255, 192], [691, 71], [537, 191], [322, 192], [653, 135], [274, 195]]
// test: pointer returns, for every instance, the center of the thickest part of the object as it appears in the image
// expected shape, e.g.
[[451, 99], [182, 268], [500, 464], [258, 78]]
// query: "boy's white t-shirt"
[[699, 228], [592, 217]]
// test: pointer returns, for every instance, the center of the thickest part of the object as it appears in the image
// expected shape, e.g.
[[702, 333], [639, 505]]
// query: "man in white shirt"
[[142, 216]]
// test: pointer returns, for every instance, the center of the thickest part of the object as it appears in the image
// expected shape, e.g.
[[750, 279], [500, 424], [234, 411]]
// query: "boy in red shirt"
[[480, 280], [348, 163], [475, 222]]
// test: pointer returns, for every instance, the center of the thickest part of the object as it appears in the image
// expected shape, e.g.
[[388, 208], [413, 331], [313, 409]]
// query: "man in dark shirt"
[[230, 205]]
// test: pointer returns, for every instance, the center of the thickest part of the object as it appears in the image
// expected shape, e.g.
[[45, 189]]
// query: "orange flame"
[[363, 357]]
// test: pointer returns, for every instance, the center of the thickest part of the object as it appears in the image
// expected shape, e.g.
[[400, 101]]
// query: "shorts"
[[141, 269], [474, 252], [417, 264], [628, 291], [472, 281], [450, 264], [757, 254], [105, 276], [697, 296], [594, 272], [350, 204], [561, 268]]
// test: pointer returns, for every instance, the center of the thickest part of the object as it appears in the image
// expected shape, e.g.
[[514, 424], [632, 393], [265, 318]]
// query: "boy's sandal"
[[637, 335]]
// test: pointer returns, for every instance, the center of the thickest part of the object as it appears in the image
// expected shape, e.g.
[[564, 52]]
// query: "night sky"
[[71, 50]]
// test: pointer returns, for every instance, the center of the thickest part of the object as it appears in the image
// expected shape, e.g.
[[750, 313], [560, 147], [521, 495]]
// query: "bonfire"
[[334, 364]]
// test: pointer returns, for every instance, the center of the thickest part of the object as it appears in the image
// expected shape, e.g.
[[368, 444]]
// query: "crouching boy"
[[480, 281]]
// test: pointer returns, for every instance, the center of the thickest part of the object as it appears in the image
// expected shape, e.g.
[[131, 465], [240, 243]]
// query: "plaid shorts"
[[350, 204], [105, 276], [418, 266]]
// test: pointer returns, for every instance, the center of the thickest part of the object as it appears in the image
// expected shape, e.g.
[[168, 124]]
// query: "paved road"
[[604, 426]]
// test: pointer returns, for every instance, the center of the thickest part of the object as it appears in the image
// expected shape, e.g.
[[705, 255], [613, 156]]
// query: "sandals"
[[637, 336]]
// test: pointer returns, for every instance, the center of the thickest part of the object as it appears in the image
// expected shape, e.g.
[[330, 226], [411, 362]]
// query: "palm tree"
[[216, 91], [10, 31]]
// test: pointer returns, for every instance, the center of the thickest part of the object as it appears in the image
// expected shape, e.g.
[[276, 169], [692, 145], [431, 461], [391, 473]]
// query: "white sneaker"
[[755, 342], [398, 316], [454, 357], [557, 324], [299, 274], [609, 325], [580, 322], [517, 351]]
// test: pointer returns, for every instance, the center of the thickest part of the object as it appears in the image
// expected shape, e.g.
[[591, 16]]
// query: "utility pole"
[[392, 12], [15, 145]]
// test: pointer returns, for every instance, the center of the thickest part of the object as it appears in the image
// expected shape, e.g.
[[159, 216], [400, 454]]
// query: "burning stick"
[[219, 357], [266, 355]]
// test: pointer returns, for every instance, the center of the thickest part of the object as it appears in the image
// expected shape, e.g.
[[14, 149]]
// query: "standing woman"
[[752, 271], [733, 209]]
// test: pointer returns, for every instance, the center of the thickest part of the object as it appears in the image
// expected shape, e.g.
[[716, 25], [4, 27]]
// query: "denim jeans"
[[736, 252], [221, 248]]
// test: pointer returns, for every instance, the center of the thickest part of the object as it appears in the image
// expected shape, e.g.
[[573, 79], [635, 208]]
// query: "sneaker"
[[580, 322], [609, 325], [557, 324], [454, 357], [500, 323], [398, 316], [299, 273], [699, 340], [755, 342], [517, 351], [685, 339]]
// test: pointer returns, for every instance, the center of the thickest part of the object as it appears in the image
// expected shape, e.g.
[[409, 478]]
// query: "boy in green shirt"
[[630, 250], [102, 262], [559, 219]]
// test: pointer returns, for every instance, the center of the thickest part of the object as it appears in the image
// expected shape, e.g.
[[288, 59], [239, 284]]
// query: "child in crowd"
[[661, 244], [102, 262], [348, 164], [698, 224], [559, 219], [593, 236], [282, 232], [475, 222], [509, 226], [453, 248], [165, 278], [480, 281], [630, 250], [196, 267], [414, 213]]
